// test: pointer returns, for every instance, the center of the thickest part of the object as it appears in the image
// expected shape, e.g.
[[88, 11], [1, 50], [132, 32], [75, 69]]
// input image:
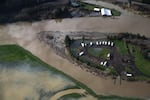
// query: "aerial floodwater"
[[24, 34], [31, 81]]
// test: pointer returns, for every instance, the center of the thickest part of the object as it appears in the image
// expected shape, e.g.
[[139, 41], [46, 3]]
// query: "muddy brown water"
[[24, 34], [24, 82]]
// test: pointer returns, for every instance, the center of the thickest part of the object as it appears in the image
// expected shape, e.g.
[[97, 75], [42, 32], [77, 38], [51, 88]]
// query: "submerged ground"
[[25, 77], [24, 34]]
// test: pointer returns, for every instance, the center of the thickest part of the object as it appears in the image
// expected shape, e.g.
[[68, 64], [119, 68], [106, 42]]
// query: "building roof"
[[129, 75], [96, 9], [106, 12], [74, 3]]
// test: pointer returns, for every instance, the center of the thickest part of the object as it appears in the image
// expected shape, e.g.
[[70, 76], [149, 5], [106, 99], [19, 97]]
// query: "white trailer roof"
[[81, 53], [96, 9], [129, 75], [106, 12]]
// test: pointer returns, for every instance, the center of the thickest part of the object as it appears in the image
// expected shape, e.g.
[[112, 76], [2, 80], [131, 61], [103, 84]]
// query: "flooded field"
[[24, 34], [21, 81]]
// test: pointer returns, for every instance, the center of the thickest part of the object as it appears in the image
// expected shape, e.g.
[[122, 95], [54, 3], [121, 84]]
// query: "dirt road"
[[70, 91]]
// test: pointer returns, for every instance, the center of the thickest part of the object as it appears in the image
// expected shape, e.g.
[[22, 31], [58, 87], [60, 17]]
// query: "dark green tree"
[[67, 41]]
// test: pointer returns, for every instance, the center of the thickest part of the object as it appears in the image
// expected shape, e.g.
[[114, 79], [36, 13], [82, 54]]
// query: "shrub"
[[67, 41]]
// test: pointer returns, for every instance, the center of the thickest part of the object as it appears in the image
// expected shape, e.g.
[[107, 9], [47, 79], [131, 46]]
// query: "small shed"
[[109, 43], [112, 44], [106, 12], [97, 9], [108, 55], [101, 63], [97, 43], [100, 42], [82, 44], [105, 42], [81, 53], [91, 43], [105, 63], [128, 75]]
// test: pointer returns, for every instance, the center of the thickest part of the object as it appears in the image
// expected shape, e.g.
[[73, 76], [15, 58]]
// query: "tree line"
[[9, 5]]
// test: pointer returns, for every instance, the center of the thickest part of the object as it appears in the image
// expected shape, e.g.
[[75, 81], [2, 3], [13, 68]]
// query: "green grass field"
[[100, 52], [101, 97], [121, 46], [142, 63], [12, 53], [71, 96]]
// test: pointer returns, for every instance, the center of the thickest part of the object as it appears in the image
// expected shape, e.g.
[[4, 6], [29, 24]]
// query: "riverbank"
[[29, 41], [24, 34]]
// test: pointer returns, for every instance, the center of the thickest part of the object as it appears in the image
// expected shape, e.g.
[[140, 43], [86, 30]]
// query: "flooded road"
[[24, 34]]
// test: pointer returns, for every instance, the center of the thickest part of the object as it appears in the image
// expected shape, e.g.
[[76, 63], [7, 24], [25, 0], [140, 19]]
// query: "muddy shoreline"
[[55, 40], [57, 44], [24, 34]]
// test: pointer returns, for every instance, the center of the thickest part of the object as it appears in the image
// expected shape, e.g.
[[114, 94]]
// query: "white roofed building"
[[128, 75], [97, 9], [82, 44], [81, 53], [106, 12], [91, 43]]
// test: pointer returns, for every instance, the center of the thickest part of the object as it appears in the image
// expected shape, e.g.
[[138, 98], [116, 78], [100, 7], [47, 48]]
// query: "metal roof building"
[[106, 12]]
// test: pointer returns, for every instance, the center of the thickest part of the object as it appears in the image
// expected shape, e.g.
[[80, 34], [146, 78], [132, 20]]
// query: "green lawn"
[[142, 64], [11, 53], [90, 7], [101, 52], [115, 12], [121, 46], [87, 6]]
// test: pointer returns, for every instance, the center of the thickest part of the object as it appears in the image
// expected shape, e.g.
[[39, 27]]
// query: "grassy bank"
[[142, 64], [90, 7], [71, 96], [121, 46], [112, 97]]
